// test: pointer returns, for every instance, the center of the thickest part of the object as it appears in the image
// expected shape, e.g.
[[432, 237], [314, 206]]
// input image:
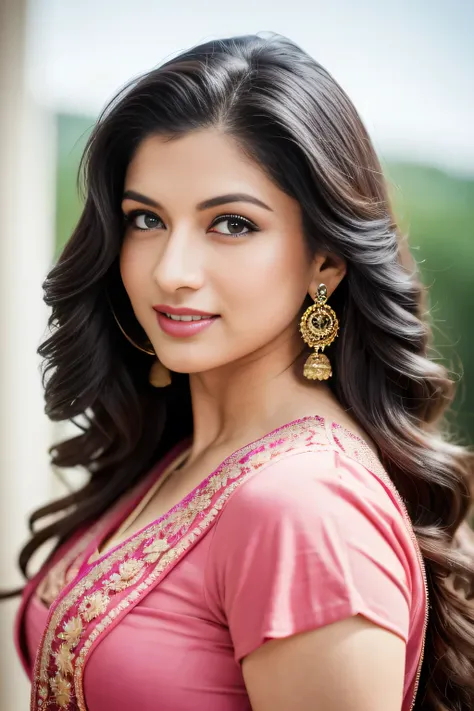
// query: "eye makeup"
[[131, 217]]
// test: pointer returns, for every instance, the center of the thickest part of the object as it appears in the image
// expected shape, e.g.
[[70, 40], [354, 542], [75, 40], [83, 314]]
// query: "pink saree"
[[164, 619]]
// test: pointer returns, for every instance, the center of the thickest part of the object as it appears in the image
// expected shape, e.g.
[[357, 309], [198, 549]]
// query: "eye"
[[234, 225], [143, 220]]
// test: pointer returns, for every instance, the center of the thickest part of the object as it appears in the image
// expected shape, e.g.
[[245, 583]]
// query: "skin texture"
[[242, 381], [352, 664]]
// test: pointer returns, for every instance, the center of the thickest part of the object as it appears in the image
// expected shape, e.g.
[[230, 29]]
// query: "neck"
[[243, 400]]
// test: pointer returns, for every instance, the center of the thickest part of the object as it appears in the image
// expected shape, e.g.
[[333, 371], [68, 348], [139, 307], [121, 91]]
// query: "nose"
[[179, 265]]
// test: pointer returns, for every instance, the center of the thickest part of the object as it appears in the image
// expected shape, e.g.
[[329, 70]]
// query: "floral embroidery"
[[61, 690], [67, 567], [72, 630], [93, 605], [152, 552], [117, 581], [64, 659], [127, 574]]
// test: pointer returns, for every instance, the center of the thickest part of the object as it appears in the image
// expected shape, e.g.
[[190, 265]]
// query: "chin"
[[185, 365], [193, 366]]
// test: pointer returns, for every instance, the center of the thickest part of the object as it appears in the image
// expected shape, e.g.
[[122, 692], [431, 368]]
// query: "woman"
[[267, 523]]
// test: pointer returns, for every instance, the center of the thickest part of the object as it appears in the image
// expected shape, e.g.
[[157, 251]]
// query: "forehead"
[[201, 164]]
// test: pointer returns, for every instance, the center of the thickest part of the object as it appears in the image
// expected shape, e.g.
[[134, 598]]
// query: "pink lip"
[[165, 309], [183, 329]]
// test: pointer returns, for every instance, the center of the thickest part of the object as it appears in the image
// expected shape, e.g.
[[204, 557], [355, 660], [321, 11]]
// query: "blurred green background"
[[436, 208]]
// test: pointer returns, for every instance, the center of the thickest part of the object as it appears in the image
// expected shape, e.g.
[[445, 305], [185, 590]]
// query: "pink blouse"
[[313, 534]]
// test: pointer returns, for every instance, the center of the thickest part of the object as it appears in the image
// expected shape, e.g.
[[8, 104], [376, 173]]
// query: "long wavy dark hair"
[[291, 117]]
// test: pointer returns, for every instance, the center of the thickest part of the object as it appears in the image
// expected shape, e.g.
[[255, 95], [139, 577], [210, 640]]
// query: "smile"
[[175, 317], [184, 326]]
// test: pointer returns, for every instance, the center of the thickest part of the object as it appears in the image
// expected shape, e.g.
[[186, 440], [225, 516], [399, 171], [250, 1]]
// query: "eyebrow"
[[205, 205]]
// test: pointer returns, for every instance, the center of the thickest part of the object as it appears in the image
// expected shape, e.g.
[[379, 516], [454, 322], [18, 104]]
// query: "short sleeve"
[[311, 539]]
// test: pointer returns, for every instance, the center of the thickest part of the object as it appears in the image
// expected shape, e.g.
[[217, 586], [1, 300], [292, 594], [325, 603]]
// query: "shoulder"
[[312, 482], [317, 504]]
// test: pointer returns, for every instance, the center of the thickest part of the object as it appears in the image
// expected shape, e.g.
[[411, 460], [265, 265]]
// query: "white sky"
[[408, 65]]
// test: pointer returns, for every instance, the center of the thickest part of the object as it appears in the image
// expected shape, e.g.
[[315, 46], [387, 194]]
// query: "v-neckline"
[[136, 506]]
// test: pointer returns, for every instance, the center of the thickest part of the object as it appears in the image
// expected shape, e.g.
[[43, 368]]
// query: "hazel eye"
[[235, 225], [142, 220], [146, 222]]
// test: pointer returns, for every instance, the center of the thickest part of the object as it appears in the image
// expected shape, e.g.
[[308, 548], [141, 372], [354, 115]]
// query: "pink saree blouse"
[[295, 531]]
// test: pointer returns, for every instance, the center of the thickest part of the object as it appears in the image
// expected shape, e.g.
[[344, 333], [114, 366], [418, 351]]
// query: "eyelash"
[[130, 217]]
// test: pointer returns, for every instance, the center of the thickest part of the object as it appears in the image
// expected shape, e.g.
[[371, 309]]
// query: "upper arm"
[[351, 664]]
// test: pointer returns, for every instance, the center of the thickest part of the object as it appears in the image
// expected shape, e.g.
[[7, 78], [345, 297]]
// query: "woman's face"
[[241, 257]]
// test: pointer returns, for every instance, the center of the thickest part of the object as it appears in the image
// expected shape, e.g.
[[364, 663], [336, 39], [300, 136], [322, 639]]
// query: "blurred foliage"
[[435, 208]]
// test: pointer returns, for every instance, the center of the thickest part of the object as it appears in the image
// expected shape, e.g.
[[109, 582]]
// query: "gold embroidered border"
[[59, 570]]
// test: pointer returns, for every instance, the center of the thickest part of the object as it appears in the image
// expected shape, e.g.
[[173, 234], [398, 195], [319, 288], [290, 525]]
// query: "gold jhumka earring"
[[159, 375], [319, 327]]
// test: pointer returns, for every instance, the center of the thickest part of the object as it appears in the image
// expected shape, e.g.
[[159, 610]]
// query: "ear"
[[329, 269]]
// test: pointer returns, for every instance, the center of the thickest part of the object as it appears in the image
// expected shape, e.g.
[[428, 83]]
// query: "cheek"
[[133, 271], [267, 285]]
